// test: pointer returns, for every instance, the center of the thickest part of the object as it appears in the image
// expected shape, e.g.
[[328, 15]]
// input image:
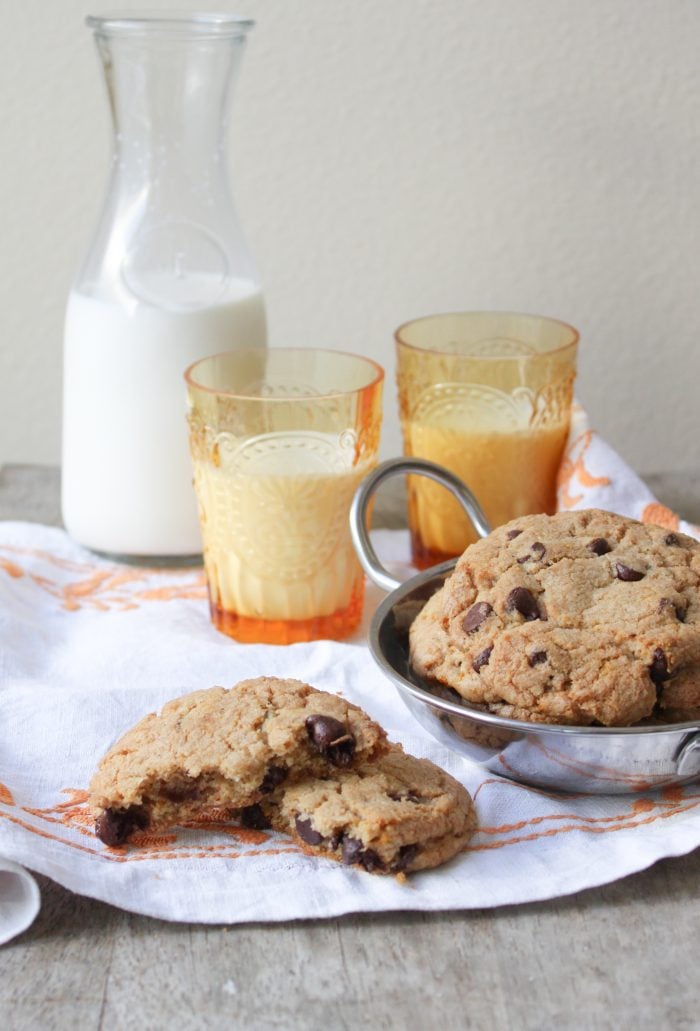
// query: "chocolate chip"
[[115, 826], [671, 540], [335, 839], [306, 832], [476, 616], [512, 534], [331, 738], [371, 861], [665, 604], [537, 658], [185, 791], [599, 546], [352, 848], [273, 778], [354, 852], [112, 827], [482, 659], [405, 796], [658, 670], [523, 601], [254, 818], [537, 551], [623, 572], [407, 853]]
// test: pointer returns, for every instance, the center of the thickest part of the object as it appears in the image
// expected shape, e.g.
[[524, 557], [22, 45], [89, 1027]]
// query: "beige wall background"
[[393, 158]]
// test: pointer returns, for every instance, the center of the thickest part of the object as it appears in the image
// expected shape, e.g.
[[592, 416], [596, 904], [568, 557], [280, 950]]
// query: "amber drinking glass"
[[280, 440], [487, 395]]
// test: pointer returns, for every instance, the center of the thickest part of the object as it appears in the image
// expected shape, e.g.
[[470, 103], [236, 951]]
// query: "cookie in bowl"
[[581, 618]]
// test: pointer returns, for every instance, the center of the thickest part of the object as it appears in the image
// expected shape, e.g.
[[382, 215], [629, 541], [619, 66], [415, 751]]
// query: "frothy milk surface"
[[127, 474]]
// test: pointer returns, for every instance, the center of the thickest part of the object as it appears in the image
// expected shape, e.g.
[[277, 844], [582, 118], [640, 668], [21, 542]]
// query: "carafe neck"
[[168, 233], [169, 97]]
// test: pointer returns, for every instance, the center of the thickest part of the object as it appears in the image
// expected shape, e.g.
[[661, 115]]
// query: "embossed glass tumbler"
[[487, 395], [280, 440]]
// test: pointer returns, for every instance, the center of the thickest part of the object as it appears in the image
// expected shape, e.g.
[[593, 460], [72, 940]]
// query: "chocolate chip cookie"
[[578, 618], [227, 749], [397, 814]]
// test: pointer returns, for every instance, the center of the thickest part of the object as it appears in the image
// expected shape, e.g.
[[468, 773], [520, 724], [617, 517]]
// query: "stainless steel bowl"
[[595, 760]]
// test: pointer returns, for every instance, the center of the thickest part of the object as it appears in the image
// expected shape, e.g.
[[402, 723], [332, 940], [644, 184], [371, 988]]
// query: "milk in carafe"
[[167, 279], [127, 474]]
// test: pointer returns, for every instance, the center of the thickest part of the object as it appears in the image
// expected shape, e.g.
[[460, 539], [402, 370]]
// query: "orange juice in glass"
[[280, 439], [487, 395]]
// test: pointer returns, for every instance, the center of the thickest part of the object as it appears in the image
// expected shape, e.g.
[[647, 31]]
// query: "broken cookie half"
[[396, 815], [277, 753], [225, 749]]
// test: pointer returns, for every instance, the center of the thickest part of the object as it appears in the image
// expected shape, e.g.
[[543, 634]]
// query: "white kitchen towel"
[[592, 475], [88, 647]]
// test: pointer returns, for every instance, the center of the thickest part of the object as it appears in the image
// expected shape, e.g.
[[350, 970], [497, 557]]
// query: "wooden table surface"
[[624, 955]]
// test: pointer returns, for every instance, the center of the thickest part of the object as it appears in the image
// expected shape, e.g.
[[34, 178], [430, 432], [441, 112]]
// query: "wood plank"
[[619, 954]]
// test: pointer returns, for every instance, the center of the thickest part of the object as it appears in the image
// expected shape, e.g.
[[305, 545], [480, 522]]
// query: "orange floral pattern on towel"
[[70, 823], [101, 588], [634, 812], [6, 796], [573, 468], [660, 515]]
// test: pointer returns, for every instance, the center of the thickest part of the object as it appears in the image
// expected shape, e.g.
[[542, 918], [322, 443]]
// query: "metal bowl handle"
[[688, 757], [385, 471]]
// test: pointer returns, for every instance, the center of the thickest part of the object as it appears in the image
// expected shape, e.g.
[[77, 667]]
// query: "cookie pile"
[[278, 753], [578, 618]]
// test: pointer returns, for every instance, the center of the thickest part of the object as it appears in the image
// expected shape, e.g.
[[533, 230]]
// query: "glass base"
[[250, 630], [423, 557], [152, 561]]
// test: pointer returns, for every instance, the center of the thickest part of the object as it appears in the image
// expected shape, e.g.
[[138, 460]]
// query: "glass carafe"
[[167, 280]]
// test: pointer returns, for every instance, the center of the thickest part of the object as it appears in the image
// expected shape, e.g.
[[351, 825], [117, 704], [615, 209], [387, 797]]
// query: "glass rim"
[[378, 377], [559, 349], [197, 25]]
